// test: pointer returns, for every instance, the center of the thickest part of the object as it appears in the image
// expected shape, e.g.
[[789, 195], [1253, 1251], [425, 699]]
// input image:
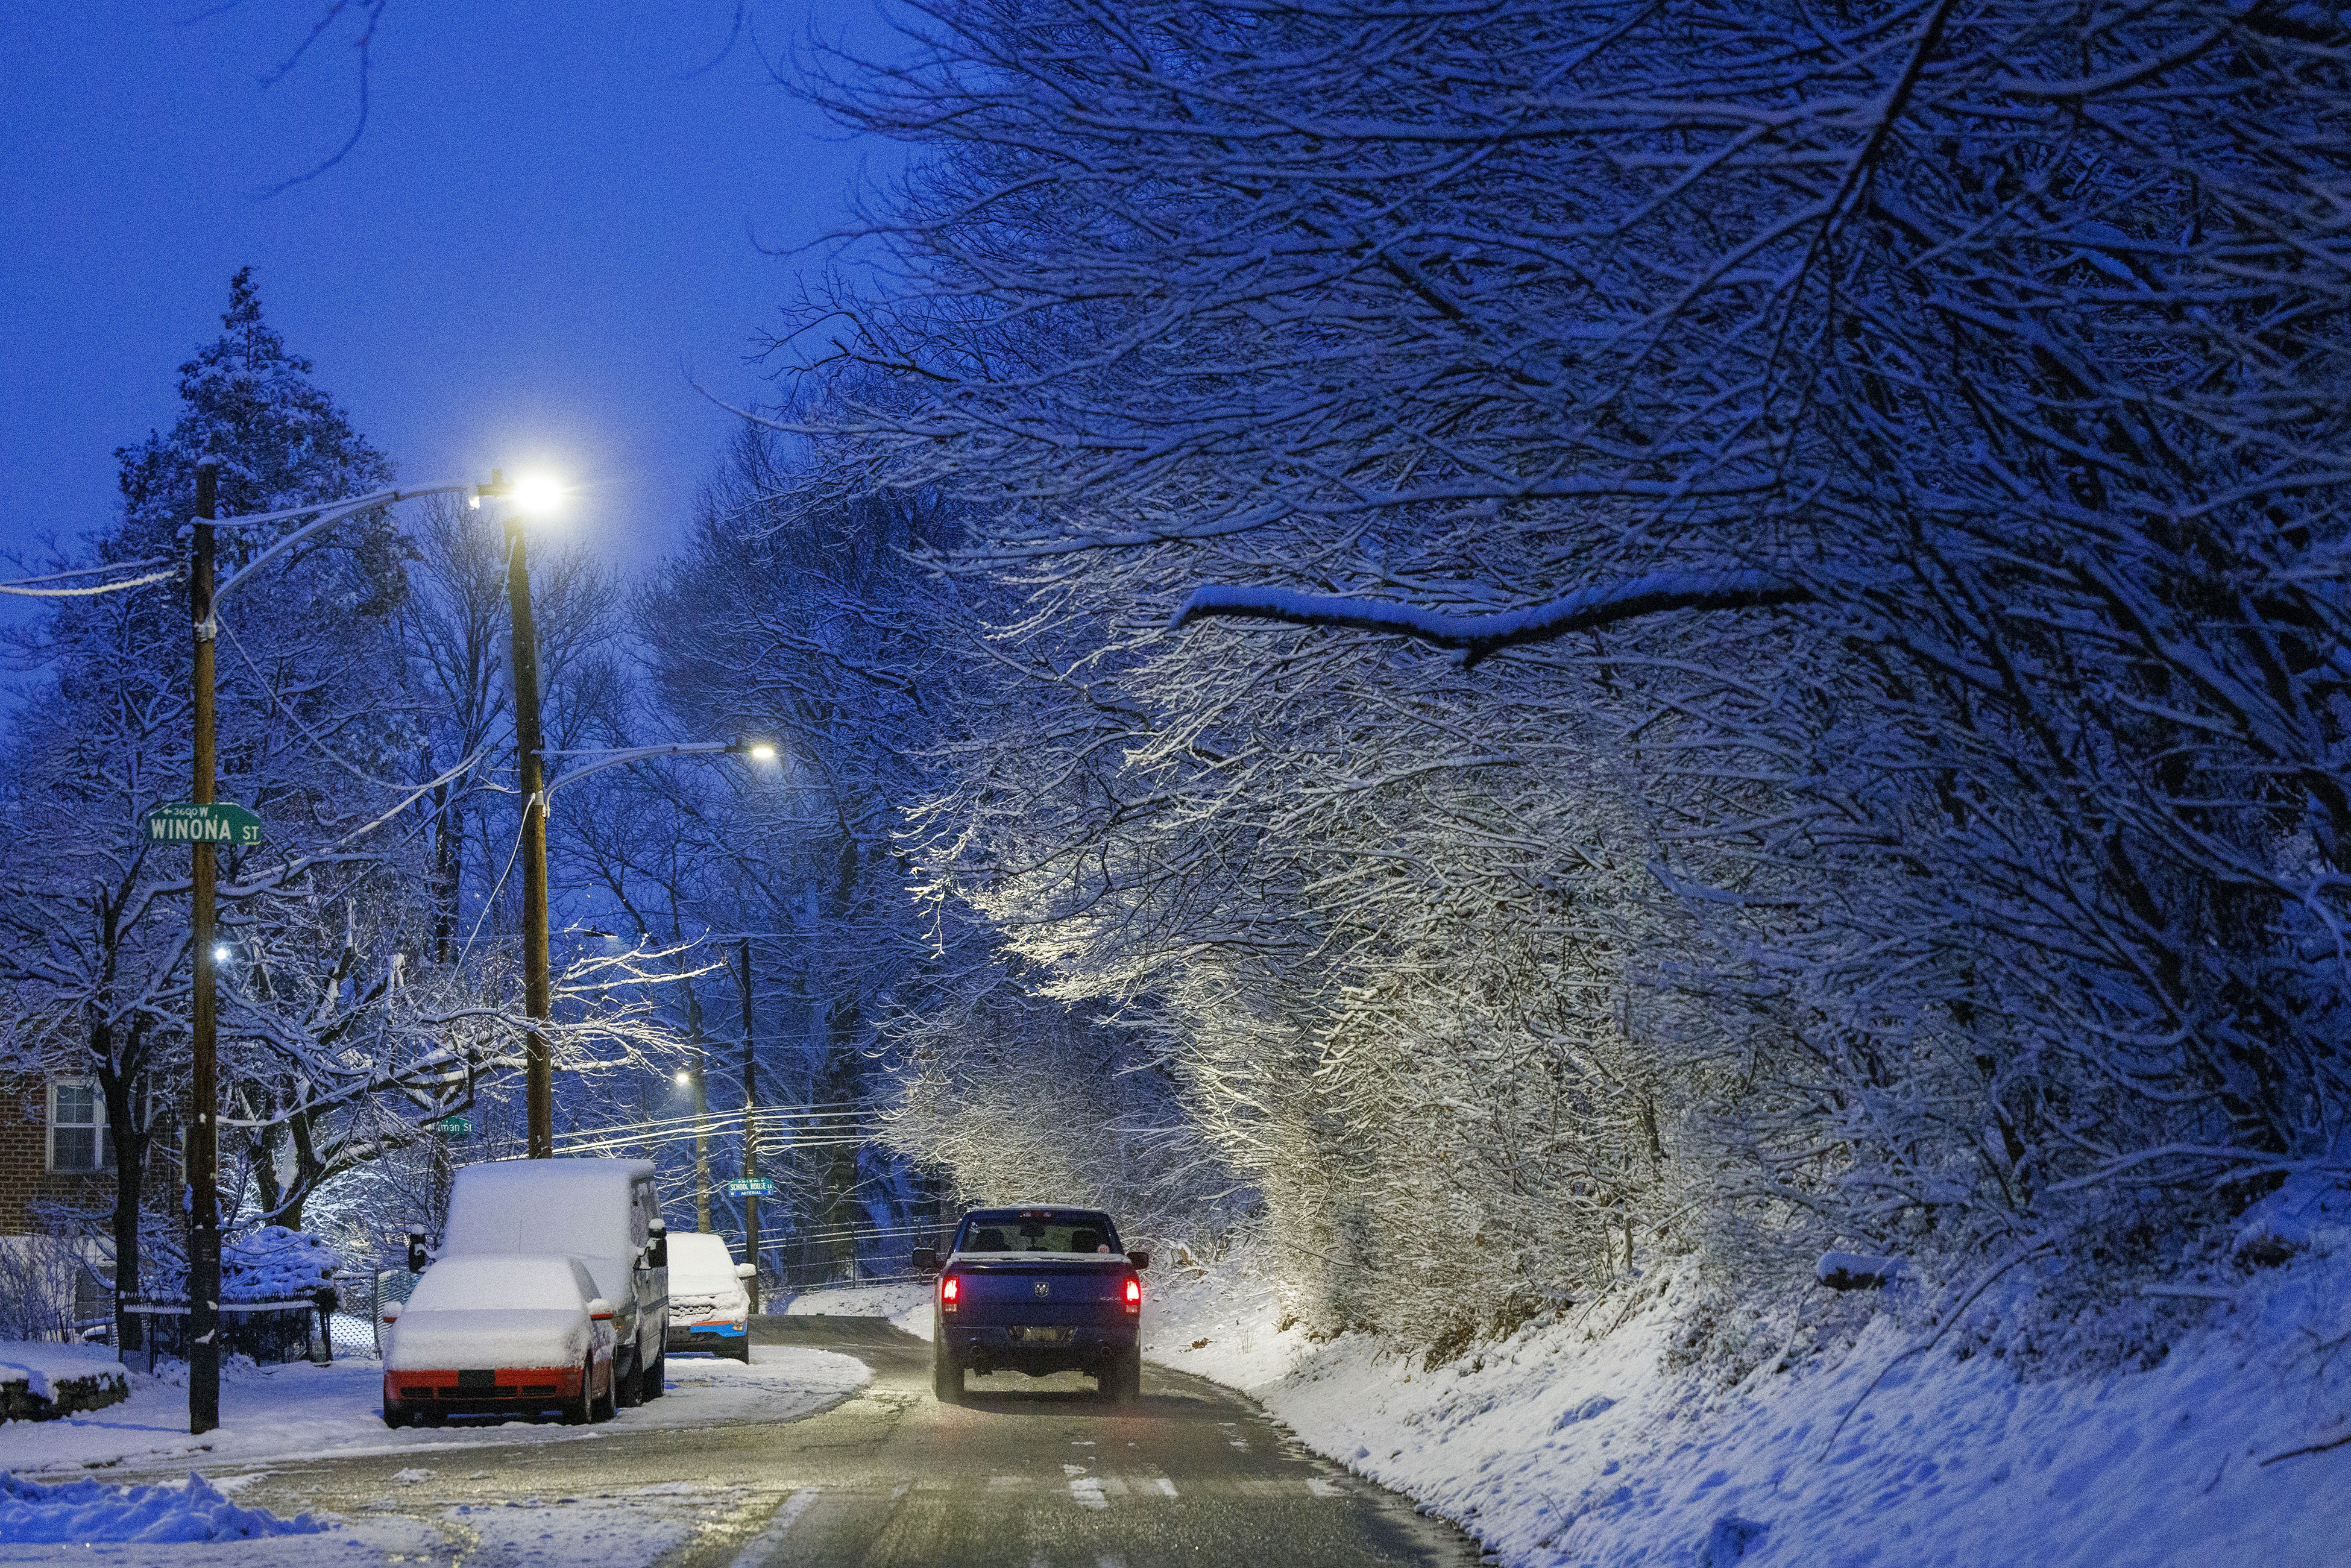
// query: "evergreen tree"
[[94, 930]]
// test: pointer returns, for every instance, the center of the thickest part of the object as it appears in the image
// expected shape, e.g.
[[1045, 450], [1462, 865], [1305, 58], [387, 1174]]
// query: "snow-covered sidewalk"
[[308, 1412]]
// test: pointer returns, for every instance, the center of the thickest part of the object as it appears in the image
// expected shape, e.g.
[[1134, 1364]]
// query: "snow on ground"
[[882, 1300], [305, 1411], [79, 1514], [1564, 1446], [630, 1529], [41, 1366]]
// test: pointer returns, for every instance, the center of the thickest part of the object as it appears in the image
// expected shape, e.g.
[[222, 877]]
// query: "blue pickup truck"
[[1038, 1288]]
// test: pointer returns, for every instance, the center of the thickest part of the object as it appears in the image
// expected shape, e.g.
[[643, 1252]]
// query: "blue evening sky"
[[543, 233]]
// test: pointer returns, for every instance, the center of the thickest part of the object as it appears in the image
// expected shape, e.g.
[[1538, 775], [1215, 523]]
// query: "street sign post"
[[751, 1186], [208, 822]]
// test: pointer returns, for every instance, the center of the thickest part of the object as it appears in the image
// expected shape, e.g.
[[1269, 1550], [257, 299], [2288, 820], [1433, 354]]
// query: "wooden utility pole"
[[537, 986], [700, 1089], [750, 1129], [204, 1127]]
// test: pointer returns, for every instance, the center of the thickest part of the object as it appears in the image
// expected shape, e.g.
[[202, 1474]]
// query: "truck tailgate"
[[1041, 1294]]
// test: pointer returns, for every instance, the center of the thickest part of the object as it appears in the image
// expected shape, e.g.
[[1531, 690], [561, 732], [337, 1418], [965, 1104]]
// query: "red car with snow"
[[512, 1334]]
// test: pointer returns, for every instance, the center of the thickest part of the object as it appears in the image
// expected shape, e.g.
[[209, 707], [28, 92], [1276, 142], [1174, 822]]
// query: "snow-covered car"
[[604, 1212], [708, 1307], [499, 1335]]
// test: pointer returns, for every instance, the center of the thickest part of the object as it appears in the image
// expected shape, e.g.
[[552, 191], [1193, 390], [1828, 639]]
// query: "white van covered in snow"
[[602, 1212]]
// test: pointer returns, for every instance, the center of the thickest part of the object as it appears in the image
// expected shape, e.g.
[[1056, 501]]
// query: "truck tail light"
[[949, 1288], [1134, 1295]]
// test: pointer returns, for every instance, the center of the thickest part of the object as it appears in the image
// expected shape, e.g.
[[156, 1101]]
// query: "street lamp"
[[534, 496], [618, 756]]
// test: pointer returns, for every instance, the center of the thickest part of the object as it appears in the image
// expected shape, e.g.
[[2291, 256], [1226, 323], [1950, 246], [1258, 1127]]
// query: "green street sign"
[[453, 1127], [185, 822], [750, 1186]]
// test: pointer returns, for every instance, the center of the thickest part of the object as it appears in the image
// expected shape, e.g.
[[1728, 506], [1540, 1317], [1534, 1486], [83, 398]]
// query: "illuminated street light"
[[221, 953], [762, 751], [534, 494], [537, 494]]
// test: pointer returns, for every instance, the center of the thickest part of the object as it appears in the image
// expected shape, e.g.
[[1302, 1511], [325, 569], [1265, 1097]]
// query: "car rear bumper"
[[721, 1335], [482, 1391], [992, 1347]]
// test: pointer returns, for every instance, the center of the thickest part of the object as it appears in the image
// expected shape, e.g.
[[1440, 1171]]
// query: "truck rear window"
[[1088, 1233]]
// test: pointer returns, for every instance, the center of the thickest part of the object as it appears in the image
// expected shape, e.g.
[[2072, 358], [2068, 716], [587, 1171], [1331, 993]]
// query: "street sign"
[[185, 822], [750, 1186], [453, 1127]]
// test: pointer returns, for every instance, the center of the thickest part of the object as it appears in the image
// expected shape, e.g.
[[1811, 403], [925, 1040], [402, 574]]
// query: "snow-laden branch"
[[1475, 636]]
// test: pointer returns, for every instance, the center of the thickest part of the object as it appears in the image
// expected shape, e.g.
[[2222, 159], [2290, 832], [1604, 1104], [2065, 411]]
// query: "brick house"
[[54, 1149], [55, 1157]]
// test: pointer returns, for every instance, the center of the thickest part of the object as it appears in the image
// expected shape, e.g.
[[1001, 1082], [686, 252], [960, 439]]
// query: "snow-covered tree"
[[341, 1036], [1876, 466]]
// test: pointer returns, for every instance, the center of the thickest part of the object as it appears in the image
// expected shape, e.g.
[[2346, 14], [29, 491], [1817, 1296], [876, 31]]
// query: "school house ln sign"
[[185, 822]]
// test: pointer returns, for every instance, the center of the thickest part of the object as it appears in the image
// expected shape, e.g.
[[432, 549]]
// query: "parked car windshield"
[[1036, 1230], [473, 1283], [700, 1262]]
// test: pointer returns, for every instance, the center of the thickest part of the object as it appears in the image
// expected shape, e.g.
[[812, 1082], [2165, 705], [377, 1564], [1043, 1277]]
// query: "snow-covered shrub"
[[271, 1263]]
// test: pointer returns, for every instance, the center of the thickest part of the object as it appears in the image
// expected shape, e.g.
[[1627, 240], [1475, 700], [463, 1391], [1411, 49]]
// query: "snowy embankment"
[[39, 1381], [301, 1411], [882, 1300], [1563, 1445], [1573, 1443]]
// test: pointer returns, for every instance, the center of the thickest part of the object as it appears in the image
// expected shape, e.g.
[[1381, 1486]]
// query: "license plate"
[[1040, 1336]]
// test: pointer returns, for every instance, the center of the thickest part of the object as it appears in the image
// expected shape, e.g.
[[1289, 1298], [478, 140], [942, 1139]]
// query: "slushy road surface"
[[1027, 1472]]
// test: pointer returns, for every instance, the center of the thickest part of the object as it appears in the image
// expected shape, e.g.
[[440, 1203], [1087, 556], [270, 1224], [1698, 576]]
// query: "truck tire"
[[656, 1376], [627, 1392], [608, 1404], [946, 1376], [1121, 1381]]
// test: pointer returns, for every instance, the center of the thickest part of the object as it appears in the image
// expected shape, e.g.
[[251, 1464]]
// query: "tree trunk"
[[129, 1148]]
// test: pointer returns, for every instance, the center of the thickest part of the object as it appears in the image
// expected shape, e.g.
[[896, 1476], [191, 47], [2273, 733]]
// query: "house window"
[[78, 1140]]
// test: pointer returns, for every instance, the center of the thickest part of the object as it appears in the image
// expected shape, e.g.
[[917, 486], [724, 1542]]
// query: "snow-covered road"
[[1024, 1472], [300, 1411]]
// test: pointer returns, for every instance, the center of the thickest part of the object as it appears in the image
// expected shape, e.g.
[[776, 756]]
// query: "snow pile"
[[80, 1513], [274, 1264], [1573, 1442], [40, 1367]]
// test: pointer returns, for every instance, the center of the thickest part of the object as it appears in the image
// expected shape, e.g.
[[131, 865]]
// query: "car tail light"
[[1134, 1295], [949, 1288]]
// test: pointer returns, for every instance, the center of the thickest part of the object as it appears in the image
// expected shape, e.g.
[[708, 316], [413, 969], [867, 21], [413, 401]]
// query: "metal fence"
[[317, 1328]]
